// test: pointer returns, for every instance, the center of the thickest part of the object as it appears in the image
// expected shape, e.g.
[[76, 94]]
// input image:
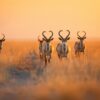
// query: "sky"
[[26, 19]]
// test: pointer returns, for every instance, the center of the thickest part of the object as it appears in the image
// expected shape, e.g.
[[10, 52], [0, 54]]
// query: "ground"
[[23, 75]]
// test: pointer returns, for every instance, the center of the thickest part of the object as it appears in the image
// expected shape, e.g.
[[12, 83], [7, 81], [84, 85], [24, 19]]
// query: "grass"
[[23, 76]]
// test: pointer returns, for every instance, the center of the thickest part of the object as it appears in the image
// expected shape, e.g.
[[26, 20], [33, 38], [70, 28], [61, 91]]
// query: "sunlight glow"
[[26, 19]]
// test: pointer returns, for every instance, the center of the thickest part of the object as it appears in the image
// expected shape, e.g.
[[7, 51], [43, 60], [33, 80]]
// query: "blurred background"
[[26, 19]]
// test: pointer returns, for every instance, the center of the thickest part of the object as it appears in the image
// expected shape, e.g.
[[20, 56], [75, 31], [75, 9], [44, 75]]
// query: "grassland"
[[23, 76]]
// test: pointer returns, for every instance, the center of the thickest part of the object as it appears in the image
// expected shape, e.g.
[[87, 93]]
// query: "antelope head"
[[62, 38], [81, 37], [3, 38], [48, 40]]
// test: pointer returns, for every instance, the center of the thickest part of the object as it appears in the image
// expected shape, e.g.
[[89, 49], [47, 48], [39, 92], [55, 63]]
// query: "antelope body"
[[80, 46], [62, 48]]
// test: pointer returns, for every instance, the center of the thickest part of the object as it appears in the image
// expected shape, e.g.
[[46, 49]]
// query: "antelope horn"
[[60, 34], [51, 34], [78, 34], [44, 35], [68, 34], [84, 33]]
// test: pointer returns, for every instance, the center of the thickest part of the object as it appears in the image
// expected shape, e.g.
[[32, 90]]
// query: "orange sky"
[[25, 19]]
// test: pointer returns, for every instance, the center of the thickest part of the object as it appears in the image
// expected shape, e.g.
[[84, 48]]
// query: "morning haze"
[[26, 19]]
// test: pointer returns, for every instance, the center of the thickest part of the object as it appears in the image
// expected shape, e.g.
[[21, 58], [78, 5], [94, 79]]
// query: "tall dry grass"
[[24, 77]]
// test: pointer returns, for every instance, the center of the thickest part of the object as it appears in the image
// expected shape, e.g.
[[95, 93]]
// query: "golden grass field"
[[23, 76]]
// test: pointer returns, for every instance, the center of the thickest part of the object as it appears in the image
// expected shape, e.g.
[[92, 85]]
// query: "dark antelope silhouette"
[[62, 48], [1, 41], [80, 46], [45, 47], [40, 47]]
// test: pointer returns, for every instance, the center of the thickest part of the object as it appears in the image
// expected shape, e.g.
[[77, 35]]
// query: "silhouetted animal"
[[62, 48], [80, 46], [45, 47]]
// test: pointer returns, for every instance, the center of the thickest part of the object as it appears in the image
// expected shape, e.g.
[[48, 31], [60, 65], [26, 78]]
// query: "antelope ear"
[[60, 38], [52, 39], [68, 38], [78, 37], [84, 37]]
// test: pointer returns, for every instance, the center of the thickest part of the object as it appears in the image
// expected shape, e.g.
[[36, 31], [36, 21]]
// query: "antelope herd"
[[62, 49], [45, 49]]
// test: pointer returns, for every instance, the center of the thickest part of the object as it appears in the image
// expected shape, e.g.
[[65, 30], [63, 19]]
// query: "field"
[[24, 77]]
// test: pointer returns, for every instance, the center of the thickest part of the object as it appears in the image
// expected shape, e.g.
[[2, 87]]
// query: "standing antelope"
[[46, 48], [80, 46], [62, 48], [2, 40], [40, 47]]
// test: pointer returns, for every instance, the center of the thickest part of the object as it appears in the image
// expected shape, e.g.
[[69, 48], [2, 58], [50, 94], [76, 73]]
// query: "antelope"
[[46, 48], [40, 47], [80, 46], [1, 41], [62, 48]]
